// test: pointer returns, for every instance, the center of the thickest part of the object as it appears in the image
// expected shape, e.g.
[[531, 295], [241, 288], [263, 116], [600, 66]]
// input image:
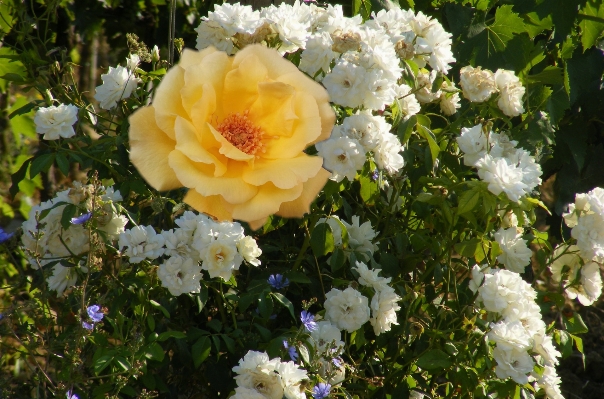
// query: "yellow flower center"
[[239, 130]]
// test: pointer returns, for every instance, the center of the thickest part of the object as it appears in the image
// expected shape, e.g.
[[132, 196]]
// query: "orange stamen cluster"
[[239, 130]]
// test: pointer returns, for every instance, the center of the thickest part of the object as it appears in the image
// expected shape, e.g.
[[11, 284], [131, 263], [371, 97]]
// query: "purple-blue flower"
[[4, 236], [277, 281], [82, 218], [94, 311], [88, 326], [308, 319], [291, 350], [337, 362], [375, 175], [321, 390], [71, 395]]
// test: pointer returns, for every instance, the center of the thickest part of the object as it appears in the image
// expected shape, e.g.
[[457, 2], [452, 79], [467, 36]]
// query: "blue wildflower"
[[375, 175], [308, 319], [337, 362], [321, 390], [291, 350], [277, 281], [71, 395], [94, 311], [88, 326], [4, 236], [82, 218]]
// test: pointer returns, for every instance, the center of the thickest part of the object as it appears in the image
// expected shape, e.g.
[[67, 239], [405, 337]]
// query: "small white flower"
[[345, 84], [383, 310], [449, 98], [62, 278], [387, 155], [318, 54], [409, 105], [220, 258], [178, 243], [360, 236], [364, 127], [342, 156], [424, 91], [141, 242], [56, 121], [132, 62], [347, 309], [370, 278], [180, 275], [589, 233], [248, 248], [473, 142], [502, 176], [513, 363], [327, 337], [477, 84], [510, 336], [516, 255], [118, 84]]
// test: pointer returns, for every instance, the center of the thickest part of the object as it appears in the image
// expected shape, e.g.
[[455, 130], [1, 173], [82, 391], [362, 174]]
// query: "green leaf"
[[337, 260], [154, 351], [201, 350], [435, 359], [468, 200], [591, 18], [229, 342], [41, 164], [102, 363], [431, 139], [297, 277], [62, 163], [171, 334], [123, 363], [575, 324], [18, 176], [405, 129], [468, 248], [551, 75], [68, 213], [156, 305], [321, 240], [285, 302]]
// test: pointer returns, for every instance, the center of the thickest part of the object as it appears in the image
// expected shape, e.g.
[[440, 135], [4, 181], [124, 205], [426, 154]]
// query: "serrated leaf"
[[575, 324], [431, 139], [468, 201], [591, 18], [551, 75]]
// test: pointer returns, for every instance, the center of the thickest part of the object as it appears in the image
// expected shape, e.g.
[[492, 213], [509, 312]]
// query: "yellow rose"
[[233, 130]]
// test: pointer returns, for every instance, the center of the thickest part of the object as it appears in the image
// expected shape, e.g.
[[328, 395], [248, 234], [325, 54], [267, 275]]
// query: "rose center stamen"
[[241, 132]]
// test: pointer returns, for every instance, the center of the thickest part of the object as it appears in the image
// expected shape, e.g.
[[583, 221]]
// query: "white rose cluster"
[[259, 377], [360, 236], [479, 84], [504, 167], [516, 254], [358, 63], [581, 279], [586, 219], [345, 152], [517, 331], [221, 247], [349, 309], [46, 241]]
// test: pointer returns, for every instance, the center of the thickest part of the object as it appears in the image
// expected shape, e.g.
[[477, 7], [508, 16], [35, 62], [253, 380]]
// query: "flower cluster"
[[220, 247], [259, 377], [504, 167], [360, 135], [517, 330], [586, 219], [47, 241], [95, 313], [479, 84], [581, 278]]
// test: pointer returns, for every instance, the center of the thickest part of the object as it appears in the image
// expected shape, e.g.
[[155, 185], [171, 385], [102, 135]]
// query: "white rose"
[[220, 258], [179, 275], [477, 84], [347, 309], [118, 84], [327, 336], [248, 248], [516, 255], [56, 121], [383, 308]]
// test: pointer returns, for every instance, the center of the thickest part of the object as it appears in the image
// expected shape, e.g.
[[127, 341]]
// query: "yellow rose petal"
[[274, 109], [192, 174], [266, 202], [283, 173], [149, 150], [301, 205], [167, 100], [213, 205], [241, 84], [189, 144], [197, 77]]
